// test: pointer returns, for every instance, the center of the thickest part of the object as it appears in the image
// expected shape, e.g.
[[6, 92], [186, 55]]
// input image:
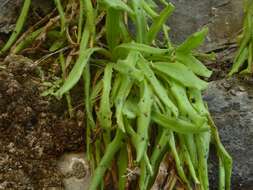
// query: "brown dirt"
[[34, 131]]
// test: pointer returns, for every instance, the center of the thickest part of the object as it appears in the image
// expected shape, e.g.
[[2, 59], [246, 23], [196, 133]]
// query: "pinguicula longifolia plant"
[[243, 61], [142, 100]]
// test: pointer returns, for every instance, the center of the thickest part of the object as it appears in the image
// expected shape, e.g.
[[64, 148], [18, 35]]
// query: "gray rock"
[[223, 17], [75, 169], [231, 105], [8, 14]]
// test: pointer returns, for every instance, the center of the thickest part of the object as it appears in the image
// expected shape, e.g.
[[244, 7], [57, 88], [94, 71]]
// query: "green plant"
[[142, 94], [243, 61]]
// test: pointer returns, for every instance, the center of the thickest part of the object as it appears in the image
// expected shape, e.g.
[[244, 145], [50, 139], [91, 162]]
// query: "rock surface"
[[223, 17], [231, 105], [75, 169], [8, 14]]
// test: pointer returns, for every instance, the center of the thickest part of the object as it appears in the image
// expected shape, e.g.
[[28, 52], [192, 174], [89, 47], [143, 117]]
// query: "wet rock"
[[75, 169], [223, 17], [231, 105]]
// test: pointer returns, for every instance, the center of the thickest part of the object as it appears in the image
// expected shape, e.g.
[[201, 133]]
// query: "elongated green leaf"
[[149, 167], [223, 154], [121, 50], [130, 70], [122, 168], [156, 85], [57, 44], [61, 13], [105, 112], [176, 124], [158, 106], [194, 41], [27, 41], [222, 178], [159, 22], [122, 93], [90, 121], [188, 159], [90, 19], [185, 107], [247, 31], [128, 66], [179, 164], [239, 62], [124, 31], [115, 87], [113, 18], [106, 160], [143, 174], [80, 21], [192, 148], [203, 142], [143, 120], [76, 72], [157, 155], [249, 68], [244, 51], [197, 102], [118, 4], [180, 73], [130, 109], [149, 10], [194, 64], [152, 3], [140, 21]]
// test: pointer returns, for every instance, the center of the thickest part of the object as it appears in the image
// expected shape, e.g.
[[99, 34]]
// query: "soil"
[[34, 131]]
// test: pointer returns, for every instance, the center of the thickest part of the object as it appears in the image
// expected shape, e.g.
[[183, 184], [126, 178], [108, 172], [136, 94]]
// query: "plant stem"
[[62, 15], [111, 150]]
